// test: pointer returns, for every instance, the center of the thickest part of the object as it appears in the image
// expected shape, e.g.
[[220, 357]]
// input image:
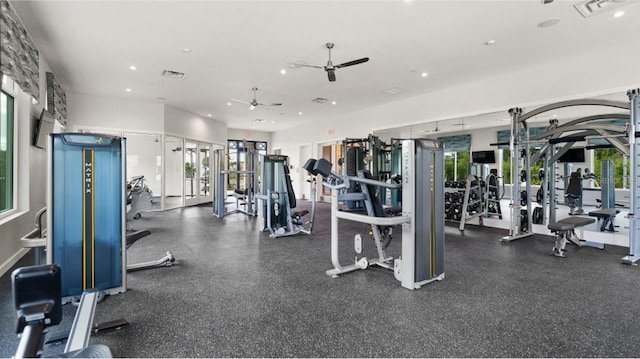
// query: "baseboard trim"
[[12, 260]]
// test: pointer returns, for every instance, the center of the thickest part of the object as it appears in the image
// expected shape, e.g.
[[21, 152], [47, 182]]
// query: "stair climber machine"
[[421, 214], [86, 216], [278, 199]]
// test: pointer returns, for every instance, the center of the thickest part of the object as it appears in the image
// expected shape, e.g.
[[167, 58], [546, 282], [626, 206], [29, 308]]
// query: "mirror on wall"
[[144, 158]]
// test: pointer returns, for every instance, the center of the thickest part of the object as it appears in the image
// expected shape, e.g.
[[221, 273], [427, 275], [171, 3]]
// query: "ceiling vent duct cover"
[[320, 100], [174, 74], [594, 7]]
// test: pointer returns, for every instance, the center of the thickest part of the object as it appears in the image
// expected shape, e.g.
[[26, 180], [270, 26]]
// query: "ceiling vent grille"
[[394, 90], [594, 7], [319, 100], [174, 74]]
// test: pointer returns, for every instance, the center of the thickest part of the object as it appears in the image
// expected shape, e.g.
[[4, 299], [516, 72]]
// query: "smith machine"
[[556, 141]]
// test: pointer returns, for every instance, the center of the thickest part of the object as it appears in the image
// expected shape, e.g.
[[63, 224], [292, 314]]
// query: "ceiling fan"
[[330, 68], [433, 130], [254, 103]]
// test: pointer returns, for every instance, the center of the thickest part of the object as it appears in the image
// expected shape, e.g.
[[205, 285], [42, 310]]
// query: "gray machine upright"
[[421, 215]]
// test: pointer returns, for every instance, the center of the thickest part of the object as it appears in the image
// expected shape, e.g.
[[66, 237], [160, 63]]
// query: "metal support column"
[[634, 227], [515, 229]]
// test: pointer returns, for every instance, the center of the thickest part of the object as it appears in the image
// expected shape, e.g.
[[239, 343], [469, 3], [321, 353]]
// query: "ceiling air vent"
[[594, 7], [319, 100], [174, 74], [394, 90]]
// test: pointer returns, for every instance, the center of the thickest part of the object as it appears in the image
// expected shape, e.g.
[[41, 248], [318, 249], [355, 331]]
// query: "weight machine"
[[365, 153], [421, 216], [279, 200], [557, 140], [245, 198]]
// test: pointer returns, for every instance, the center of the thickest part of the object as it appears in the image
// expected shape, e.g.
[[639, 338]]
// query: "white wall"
[[181, 123], [251, 135], [32, 176], [89, 111]]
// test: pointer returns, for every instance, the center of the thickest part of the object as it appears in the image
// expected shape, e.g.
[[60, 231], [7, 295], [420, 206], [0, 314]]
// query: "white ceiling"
[[236, 45]]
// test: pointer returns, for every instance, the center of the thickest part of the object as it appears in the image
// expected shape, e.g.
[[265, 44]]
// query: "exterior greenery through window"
[[237, 160], [6, 152], [618, 164], [456, 165]]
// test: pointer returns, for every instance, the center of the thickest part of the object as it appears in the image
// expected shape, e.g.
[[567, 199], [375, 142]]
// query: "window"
[[619, 165], [457, 156], [237, 158], [6, 152], [456, 165]]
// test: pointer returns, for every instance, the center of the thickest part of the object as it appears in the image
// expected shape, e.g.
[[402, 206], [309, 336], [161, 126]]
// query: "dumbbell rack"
[[473, 198], [454, 197]]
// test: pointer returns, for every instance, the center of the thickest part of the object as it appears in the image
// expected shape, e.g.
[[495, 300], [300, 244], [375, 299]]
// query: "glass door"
[[204, 161], [191, 173]]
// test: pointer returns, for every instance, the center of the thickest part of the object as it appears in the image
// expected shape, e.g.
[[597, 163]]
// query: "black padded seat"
[[570, 223], [607, 215], [606, 212]]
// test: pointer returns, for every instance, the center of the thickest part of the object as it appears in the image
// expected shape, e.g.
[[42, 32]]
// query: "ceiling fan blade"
[[332, 75], [314, 66], [241, 101], [270, 104], [354, 62]]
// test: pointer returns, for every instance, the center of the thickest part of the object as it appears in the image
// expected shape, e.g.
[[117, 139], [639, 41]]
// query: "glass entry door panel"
[[191, 173]]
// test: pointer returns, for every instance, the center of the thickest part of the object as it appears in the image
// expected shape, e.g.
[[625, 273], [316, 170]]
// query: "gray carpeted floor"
[[235, 292]]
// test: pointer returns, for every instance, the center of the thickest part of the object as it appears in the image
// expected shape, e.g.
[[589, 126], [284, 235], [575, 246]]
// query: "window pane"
[[6, 152]]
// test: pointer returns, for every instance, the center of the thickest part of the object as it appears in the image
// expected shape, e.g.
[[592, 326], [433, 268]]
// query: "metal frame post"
[[634, 227]]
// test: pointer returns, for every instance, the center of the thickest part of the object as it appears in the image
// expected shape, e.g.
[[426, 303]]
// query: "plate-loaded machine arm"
[[422, 216]]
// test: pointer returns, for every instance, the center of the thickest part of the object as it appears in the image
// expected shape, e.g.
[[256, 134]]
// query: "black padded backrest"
[[290, 193], [323, 167], [575, 184], [309, 166], [378, 210]]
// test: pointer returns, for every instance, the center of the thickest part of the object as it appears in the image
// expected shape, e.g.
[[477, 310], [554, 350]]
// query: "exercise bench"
[[605, 217], [565, 232]]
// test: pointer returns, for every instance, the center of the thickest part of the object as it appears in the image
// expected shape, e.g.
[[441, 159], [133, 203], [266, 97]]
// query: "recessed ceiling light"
[[490, 42], [300, 113], [209, 115], [549, 22], [424, 74], [186, 50], [333, 102], [618, 13], [228, 103], [128, 90], [132, 67], [283, 72], [260, 120]]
